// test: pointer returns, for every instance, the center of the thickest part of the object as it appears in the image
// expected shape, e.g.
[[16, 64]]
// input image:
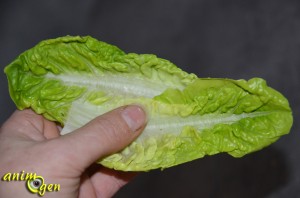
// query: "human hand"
[[32, 144]]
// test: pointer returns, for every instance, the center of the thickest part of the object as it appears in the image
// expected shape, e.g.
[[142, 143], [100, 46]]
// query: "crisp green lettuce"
[[72, 80]]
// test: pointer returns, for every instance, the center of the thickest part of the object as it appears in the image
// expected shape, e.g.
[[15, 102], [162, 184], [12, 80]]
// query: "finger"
[[21, 120], [104, 135], [107, 182], [86, 188], [27, 123], [51, 130]]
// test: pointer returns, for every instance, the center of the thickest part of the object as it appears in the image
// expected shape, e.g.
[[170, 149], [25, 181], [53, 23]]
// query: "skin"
[[31, 143]]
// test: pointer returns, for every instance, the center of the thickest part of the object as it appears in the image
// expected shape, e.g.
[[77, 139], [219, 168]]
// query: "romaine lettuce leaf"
[[72, 80]]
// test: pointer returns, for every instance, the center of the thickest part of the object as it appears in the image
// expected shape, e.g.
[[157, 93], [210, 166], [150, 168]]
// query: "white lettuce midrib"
[[115, 84], [81, 113], [199, 122], [175, 124]]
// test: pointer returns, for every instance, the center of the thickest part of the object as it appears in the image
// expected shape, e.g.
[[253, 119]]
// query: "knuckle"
[[112, 130]]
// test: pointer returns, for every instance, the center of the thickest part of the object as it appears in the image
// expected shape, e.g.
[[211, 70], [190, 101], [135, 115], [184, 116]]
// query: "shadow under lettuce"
[[221, 176]]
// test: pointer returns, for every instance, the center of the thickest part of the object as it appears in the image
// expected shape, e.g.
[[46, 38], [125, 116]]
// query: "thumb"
[[102, 136]]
